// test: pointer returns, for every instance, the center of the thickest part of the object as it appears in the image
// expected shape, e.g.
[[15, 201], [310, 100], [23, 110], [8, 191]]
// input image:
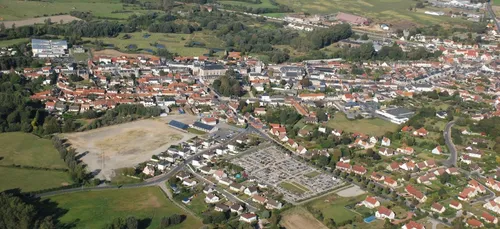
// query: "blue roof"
[[203, 126], [178, 124]]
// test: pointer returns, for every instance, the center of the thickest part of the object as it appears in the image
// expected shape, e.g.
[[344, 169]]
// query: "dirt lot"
[[115, 53], [299, 218], [125, 145], [352, 191], [40, 20]]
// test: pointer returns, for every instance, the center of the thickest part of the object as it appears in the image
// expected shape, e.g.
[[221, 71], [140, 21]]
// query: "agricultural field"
[[112, 9], [380, 11], [175, 43], [334, 206], [298, 218], [263, 4], [29, 150], [95, 209], [375, 126], [32, 180]]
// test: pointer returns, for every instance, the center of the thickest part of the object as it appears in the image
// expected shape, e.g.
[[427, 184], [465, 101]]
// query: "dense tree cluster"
[[171, 220], [320, 38], [87, 16], [121, 223], [124, 113], [16, 213], [366, 51], [227, 84], [76, 169]]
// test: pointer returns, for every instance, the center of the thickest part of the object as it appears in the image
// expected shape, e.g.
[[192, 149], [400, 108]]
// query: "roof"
[[413, 191], [414, 225], [437, 206], [371, 200], [178, 124], [384, 211], [474, 222], [203, 126]]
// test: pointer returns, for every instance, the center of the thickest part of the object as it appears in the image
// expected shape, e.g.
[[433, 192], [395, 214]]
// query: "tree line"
[[17, 213], [77, 170], [124, 113]]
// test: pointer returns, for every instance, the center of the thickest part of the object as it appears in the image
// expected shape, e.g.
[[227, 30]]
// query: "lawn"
[[333, 206], [172, 41], [376, 126], [197, 204], [293, 187], [195, 131], [31, 180], [8, 43], [97, 208], [27, 149], [387, 11], [312, 174], [114, 9]]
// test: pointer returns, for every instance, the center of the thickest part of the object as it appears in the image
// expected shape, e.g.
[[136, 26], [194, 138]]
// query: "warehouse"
[[49, 48]]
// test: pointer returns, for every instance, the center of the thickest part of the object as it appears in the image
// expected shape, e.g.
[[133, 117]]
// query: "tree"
[[16, 213], [364, 37]]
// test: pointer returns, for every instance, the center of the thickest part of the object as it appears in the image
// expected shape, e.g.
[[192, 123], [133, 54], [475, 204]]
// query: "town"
[[397, 129]]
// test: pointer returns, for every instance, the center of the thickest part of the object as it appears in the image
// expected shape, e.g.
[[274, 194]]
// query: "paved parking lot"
[[272, 167]]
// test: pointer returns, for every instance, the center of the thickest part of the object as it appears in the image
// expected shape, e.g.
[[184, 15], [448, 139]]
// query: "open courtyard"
[[125, 145], [286, 174]]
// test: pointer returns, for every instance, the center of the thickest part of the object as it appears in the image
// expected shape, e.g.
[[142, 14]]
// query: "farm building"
[[49, 48]]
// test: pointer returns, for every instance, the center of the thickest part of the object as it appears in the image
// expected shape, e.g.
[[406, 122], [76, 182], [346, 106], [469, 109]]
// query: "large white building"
[[396, 115], [49, 48]]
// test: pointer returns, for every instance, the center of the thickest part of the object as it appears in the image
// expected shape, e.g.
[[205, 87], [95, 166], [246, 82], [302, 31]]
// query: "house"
[[189, 182], [149, 170], [370, 202], [489, 218], [467, 193], [412, 191], [259, 199], [337, 133], [386, 152], [359, 169], [343, 166], [493, 205], [390, 182], [393, 166], [248, 217], [182, 175], [292, 143], [221, 208], [273, 204], [413, 225], [441, 114], [437, 150], [236, 187], [384, 213], [377, 177], [422, 132], [466, 159], [474, 223], [477, 186], [208, 189], [219, 174], [301, 150], [206, 170], [405, 150], [455, 205], [452, 171], [436, 207], [225, 181], [211, 198], [495, 185], [408, 166], [386, 141], [237, 208], [251, 191]]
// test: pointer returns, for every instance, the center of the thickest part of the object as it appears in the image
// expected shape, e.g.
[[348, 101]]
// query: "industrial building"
[[49, 48]]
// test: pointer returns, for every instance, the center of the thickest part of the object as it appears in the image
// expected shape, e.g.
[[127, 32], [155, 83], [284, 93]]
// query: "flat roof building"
[[49, 48], [396, 115]]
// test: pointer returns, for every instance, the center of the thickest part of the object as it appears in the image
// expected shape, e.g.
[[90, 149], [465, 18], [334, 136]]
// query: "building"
[[248, 217], [49, 48], [370, 202], [204, 127], [412, 191], [413, 225], [398, 115], [436, 207], [212, 70], [384, 213], [178, 125]]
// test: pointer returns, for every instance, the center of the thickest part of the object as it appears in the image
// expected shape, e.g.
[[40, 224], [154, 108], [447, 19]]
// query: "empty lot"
[[125, 145]]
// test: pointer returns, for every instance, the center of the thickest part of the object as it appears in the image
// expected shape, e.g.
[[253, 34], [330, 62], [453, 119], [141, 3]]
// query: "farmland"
[[111, 9], [298, 218], [387, 11], [375, 126], [31, 180], [263, 4], [174, 43], [95, 209]]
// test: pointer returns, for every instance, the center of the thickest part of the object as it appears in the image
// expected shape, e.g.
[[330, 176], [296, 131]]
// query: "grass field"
[[263, 4], [333, 206], [293, 187], [312, 174], [31, 180], [375, 126], [173, 42], [7, 43], [27, 149], [97, 208], [15, 10], [386, 11], [299, 218]]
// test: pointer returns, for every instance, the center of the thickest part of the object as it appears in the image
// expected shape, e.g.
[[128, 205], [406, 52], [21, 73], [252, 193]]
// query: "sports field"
[[375, 126], [173, 42], [97, 208], [113, 9], [32, 180], [381, 11], [29, 150]]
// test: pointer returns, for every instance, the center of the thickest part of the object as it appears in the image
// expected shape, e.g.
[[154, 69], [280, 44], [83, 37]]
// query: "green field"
[[172, 41], [31, 180], [333, 206], [381, 11], [293, 187], [7, 43], [375, 126], [263, 4], [97, 208], [16, 10], [312, 174], [27, 149]]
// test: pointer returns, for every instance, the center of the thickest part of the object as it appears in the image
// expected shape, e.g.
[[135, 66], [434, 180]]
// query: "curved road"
[[452, 160]]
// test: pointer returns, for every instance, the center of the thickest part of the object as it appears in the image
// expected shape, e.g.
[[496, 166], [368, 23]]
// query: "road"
[[493, 16], [452, 160]]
